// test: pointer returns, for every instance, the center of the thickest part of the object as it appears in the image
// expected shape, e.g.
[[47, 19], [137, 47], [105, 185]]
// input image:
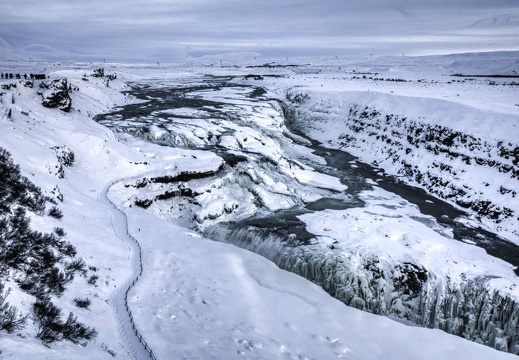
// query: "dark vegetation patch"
[[498, 76], [10, 318], [41, 263], [17, 190], [52, 328]]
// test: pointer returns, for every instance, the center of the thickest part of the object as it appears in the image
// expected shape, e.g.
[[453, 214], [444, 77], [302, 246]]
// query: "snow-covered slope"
[[465, 155], [29, 131], [195, 298]]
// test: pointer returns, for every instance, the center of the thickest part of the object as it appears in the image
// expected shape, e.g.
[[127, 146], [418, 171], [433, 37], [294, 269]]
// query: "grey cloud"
[[160, 29]]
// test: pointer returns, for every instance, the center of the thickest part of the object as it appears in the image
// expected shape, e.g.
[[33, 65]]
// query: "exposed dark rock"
[[254, 77], [401, 136], [100, 72], [65, 156], [144, 203], [55, 94], [8, 86]]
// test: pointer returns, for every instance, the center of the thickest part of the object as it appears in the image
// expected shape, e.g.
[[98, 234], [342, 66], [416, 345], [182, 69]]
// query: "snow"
[[390, 226], [329, 112], [427, 95], [198, 298], [203, 299], [87, 223]]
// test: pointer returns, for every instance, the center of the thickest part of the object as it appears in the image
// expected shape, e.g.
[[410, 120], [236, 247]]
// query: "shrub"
[[55, 280], [111, 352], [59, 231], [16, 189], [31, 285], [76, 265], [52, 328], [41, 263], [67, 249], [36, 257], [43, 281], [93, 279], [10, 319], [75, 331], [82, 303], [48, 316], [55, 213]]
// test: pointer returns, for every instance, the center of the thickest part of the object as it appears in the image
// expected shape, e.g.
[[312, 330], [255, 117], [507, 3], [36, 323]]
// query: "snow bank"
[[205, 299]]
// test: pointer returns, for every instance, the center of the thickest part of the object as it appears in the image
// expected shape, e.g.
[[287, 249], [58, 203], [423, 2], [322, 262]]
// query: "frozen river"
[[137, 119]]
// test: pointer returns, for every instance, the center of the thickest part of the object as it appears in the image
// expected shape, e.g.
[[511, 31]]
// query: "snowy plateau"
[[295, 209]]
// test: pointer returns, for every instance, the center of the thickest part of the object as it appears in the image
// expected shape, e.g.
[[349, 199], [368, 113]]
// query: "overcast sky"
[[173, 30]]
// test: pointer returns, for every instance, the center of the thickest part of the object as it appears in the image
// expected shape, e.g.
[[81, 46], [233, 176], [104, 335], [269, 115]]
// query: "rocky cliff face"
[[55, 94], [475, 171], [455, 153]]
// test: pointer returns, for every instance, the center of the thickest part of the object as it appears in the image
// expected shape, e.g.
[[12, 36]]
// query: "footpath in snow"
[[136, 345]]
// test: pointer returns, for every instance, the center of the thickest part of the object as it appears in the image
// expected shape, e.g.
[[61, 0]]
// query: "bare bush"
[[10, 318], [82, 303], [55, 212]]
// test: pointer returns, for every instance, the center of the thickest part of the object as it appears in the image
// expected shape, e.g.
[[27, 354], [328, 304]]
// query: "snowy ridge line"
[[115, 301]]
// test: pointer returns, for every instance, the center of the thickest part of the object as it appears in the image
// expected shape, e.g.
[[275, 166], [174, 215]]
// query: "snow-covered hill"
[[31, 132], [195, 298]]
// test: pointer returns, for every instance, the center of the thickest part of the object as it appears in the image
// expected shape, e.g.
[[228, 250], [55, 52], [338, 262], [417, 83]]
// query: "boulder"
[[54, 94]]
